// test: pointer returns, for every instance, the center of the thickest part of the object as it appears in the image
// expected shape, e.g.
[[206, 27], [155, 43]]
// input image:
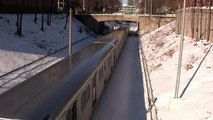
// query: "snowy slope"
[[161, 49], [17, 51]]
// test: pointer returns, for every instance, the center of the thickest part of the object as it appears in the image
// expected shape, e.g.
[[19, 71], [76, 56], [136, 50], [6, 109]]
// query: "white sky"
[[124, 1]]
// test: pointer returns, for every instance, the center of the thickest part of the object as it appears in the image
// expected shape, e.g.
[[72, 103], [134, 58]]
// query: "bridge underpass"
[[146, 23], [123, 97]]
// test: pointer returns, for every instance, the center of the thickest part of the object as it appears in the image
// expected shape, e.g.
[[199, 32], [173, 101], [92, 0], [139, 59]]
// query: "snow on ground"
[[17, 51], [161, 48], [133, 26], [113, 25]]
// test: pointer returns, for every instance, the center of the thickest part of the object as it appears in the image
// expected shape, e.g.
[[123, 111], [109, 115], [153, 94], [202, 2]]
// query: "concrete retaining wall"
[[151, 23], [196, 25]]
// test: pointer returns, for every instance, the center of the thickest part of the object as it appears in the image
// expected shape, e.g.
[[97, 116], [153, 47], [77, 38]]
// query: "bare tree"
[[209, 21], [67, 13], [20, 6], [21, 17], [193, 18], [51, 11], [49, 14], [17, 17], [42, 16], [36, 10]]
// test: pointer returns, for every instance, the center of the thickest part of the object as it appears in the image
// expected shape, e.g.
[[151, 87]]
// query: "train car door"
[[94, 91], [72, 112]]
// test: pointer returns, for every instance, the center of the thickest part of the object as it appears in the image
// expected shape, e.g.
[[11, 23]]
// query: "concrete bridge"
[[147, 23]]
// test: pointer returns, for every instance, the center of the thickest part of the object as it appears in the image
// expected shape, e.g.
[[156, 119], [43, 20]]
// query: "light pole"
[[180, 52]]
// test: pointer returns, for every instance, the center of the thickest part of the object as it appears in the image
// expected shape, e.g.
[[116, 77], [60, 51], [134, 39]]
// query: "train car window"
[[74, 111], [100, 73], [83, 100], [105, 64], [68, 115], [109, 62], [88, 93], [94, 90]]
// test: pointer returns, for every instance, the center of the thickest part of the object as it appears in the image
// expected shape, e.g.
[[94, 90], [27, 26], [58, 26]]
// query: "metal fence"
[[148, 87]]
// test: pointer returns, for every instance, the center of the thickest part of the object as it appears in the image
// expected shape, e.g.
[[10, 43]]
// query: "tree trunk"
[[36, 10], [209, 21], [49, 15], [17, 18], [42, 17], [21, 16], [201, 19], [17, 23], [197, 21], [67, 17], [20, 28], [193, 19]]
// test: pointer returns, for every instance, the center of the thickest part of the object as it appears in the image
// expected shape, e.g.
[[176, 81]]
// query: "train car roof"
[[50, 101]]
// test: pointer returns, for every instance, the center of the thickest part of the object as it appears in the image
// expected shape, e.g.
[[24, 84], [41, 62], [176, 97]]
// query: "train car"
[[68, 90], [81, 106]]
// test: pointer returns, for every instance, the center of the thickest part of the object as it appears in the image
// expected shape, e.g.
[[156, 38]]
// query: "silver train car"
[[68, 90]]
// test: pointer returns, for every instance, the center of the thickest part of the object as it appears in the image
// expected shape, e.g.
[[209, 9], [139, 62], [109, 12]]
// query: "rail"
[[146, 78]]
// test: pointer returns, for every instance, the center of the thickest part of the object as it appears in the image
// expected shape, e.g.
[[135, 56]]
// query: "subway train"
[[71, 88]]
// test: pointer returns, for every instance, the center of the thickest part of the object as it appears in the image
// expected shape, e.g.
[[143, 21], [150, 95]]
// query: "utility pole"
[[180, 52]]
